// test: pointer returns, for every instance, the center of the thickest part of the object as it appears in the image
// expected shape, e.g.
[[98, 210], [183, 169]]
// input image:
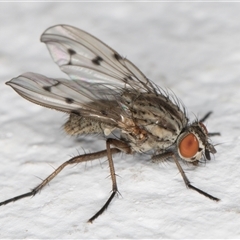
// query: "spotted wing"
[[99, 77], [82, 98], [84, 57]]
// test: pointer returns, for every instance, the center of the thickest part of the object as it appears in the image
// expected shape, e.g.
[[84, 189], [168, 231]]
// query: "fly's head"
[[193, 144]]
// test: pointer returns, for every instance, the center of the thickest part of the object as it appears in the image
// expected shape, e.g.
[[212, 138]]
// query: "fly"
[[109, 94]]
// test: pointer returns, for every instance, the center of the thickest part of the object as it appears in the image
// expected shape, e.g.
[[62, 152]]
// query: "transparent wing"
[[84, 57], [100, 77], [88, 100]]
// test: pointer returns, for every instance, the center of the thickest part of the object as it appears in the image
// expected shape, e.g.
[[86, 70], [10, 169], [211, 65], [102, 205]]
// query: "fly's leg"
[[187, 182], [124, 148], [74, 160], [78, 159], [206, 116], [166, 155]]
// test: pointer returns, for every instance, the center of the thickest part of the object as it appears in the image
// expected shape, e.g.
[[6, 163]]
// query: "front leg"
[[165, 156]]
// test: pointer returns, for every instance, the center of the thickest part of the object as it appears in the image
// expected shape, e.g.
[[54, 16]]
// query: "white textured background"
[[191, 48]]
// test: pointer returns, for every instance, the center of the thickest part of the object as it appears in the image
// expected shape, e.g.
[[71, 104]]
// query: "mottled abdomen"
[[78, 125]]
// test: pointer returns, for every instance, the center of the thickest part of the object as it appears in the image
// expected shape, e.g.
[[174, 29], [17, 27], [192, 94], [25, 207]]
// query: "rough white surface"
[[191, 48]]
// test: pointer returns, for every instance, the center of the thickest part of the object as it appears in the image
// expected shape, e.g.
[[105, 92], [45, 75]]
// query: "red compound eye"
[[188, 146]]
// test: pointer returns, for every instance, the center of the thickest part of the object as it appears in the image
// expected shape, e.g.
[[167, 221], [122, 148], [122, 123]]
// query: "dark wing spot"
[[48, 88], [97, 60], [117, 56], [71, 52], [69, 100]]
